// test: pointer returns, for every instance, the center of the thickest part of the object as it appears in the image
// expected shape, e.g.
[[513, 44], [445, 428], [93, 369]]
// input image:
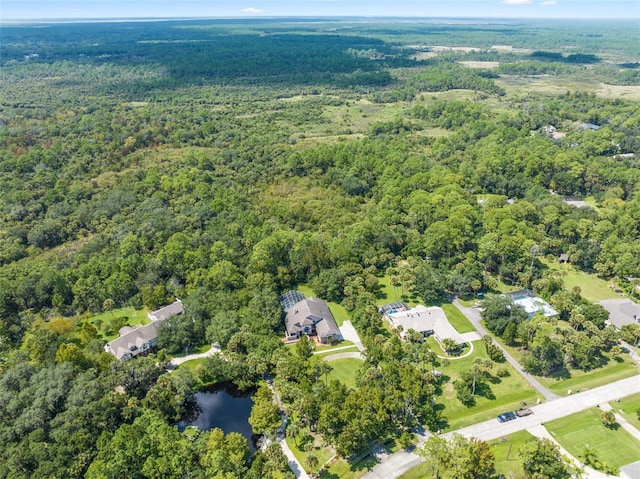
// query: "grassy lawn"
[[627, 407], [193, 364], [500, 394], [327, 352], [615, 447], [506, 452], [327, 348], [344, 370], [575, 379], [323, 454], [106, 322], [457, 319], [591, 287], [581, 380], [342, 469]]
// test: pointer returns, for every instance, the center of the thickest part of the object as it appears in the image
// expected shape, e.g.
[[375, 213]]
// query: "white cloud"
[[252, 10], [517, 2], [549, 2]]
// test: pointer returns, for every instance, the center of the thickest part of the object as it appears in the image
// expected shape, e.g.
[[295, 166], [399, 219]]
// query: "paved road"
[[394, 465], [473, 315]]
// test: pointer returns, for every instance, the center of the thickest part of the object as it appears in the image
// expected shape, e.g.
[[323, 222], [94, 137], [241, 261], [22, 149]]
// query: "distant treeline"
[[578, 58]]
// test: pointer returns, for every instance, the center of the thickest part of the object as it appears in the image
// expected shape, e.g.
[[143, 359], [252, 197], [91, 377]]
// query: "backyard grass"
[[327, 348], [323, 454], [591, 287], [106, 322], [614, 447], [344, 370], [506, 452], [499, 395], [627, 407], [326, 352]]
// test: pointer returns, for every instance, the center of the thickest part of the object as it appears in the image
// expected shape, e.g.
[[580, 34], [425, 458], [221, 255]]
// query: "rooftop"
[[621, 311], [426, 320], [531, 303], [166, 311]]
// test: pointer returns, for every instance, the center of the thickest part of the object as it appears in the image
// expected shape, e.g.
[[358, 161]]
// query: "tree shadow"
[[483, 389]]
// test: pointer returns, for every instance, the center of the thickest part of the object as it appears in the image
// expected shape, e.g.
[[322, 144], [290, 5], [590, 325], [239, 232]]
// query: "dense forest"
[[227, 162]]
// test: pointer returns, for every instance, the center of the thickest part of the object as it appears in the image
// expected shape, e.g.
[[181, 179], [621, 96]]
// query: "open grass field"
[[591, 287], [615, 447], [344, 370], [506, 452], [627, 407], [499, 394], [109, 322]]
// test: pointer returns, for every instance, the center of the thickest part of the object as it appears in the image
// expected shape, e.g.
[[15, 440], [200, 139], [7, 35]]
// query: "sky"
[[85, 9]]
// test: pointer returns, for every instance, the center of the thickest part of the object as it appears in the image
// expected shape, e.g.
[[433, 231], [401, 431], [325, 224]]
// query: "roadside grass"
[[109, 322], [343, 469], [345, 370], [578, 380], [500, 394], [591, 287], [627, 408], [613, 446], [421, 471], [506, 453]]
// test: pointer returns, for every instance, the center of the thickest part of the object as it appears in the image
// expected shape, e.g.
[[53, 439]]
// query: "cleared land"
[[109, 322], [591, 287], [344, 370], [613, 446]]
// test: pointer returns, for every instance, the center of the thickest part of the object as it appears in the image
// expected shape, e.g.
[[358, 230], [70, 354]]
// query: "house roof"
[[290, 298], [132, 342], [426, 320], [531, 303], [308, 312], [621, 311], [166, 311], [630, 471]]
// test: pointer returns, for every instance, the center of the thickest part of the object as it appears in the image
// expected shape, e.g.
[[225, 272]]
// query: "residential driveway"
[[215, 349], [350, 334], [473, 315], [472, 336], [394, 465]]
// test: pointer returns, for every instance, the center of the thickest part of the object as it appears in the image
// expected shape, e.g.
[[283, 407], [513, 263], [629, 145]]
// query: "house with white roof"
[[428, 321]]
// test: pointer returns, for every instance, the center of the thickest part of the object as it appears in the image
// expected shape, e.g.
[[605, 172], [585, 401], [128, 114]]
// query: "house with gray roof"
[[311, 316], [428, 321], [621, 311], [166, 311], [135, 341]]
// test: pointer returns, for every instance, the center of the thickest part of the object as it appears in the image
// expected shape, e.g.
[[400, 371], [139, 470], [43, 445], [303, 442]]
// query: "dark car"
[[507, 416]]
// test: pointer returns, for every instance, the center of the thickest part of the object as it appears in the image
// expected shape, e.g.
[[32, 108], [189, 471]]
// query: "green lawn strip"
[[627, 407], [508, 392], [577, 379], [386, 292], [323, 353], [323, 454], [339, 313], [615, 447], [344, 370], [506, 452], [581, 380], [457, 319], [324, 348], [591, 287], [342, 469], [192, 364], [104, 322], [421, 471]]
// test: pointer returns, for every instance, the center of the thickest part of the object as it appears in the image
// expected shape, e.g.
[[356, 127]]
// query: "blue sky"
[[38, 9]]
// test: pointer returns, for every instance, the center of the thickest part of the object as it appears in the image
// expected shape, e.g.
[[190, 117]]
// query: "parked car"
[[524, 412], [507, 416]]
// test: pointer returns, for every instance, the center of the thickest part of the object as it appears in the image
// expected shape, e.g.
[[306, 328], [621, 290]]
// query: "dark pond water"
[[225, 407]]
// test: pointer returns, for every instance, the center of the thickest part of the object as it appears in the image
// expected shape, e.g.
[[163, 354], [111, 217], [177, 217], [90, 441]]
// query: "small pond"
[[223, 406]]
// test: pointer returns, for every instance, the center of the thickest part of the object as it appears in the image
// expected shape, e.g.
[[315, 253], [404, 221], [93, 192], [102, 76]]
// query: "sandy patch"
[[472, 64]]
